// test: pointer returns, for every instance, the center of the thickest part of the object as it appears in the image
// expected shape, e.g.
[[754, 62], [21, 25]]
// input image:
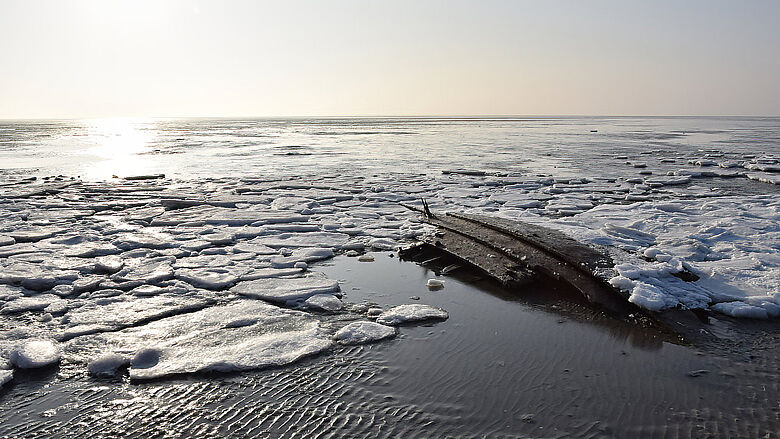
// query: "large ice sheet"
[[126, 311], [243, 335], [730, 243]]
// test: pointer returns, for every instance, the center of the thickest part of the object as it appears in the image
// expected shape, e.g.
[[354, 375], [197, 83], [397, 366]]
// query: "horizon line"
[[395, 116]]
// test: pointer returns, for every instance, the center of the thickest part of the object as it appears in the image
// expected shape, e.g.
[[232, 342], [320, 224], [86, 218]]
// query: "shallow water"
[[504, 364]]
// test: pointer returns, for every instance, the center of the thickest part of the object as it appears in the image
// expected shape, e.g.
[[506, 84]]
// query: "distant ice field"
[[563, 147]]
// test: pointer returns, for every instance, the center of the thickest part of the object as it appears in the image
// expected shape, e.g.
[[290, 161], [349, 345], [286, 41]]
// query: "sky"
[[242, 58]]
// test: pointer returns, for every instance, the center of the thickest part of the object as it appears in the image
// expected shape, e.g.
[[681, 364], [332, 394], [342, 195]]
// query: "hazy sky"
[[104, 58]]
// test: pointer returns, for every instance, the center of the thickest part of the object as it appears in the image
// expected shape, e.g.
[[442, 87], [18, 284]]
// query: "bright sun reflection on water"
[[117, 145]]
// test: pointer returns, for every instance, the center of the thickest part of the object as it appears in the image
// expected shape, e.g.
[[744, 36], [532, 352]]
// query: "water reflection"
[[552, 305], [116, 145]]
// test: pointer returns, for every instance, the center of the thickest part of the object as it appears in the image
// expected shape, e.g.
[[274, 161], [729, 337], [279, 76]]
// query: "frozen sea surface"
[[216, 267]]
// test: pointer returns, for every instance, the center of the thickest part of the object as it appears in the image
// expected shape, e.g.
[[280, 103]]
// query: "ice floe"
[[364, 332], [6, 376], [127, 311], [323, 302], [401, 314], [35, 353], [653, 242], [209, 340], [286, 291], [107, 365]]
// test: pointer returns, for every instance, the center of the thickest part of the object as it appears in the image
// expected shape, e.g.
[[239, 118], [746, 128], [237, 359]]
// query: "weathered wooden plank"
[[513, 252]]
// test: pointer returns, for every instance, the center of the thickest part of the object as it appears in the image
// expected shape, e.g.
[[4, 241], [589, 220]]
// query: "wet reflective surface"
[[505, 364]]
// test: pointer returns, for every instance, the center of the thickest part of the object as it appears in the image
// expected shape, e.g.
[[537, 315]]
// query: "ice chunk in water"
[[107, 365], [434, 284], [147, 271], [383, 244], [301, 255], [411, 313], [364, 332], [109, 264], [741, 310], [324, 302], [34, 303], [6, 376], [35, 353], [262, 273]]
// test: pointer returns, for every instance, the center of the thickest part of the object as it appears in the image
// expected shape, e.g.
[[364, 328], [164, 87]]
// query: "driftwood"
[[515, 253]]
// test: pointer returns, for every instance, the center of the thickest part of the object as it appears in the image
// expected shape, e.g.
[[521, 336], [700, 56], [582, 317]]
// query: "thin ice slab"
[[364, 332], [287, 291], [402, 314], [243, 335], [127, 311]]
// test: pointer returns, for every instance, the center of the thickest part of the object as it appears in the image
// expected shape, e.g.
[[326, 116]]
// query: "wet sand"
[[505, 364]]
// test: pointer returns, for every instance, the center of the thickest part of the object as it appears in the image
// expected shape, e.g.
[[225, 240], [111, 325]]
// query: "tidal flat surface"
[[505, 364], [226, 298]]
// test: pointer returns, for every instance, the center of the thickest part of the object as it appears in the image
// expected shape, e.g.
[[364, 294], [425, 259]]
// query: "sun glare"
[[118, 143]]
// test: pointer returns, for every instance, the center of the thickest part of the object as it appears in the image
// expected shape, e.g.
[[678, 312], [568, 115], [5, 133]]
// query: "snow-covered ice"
[[323, 302], [210, 340], [401, 314], [364, 332], [714, 239], [107, 365], [35, 353], [287, 291]]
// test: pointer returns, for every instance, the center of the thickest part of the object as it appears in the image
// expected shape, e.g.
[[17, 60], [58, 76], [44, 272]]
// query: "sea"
[[193, 148]]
